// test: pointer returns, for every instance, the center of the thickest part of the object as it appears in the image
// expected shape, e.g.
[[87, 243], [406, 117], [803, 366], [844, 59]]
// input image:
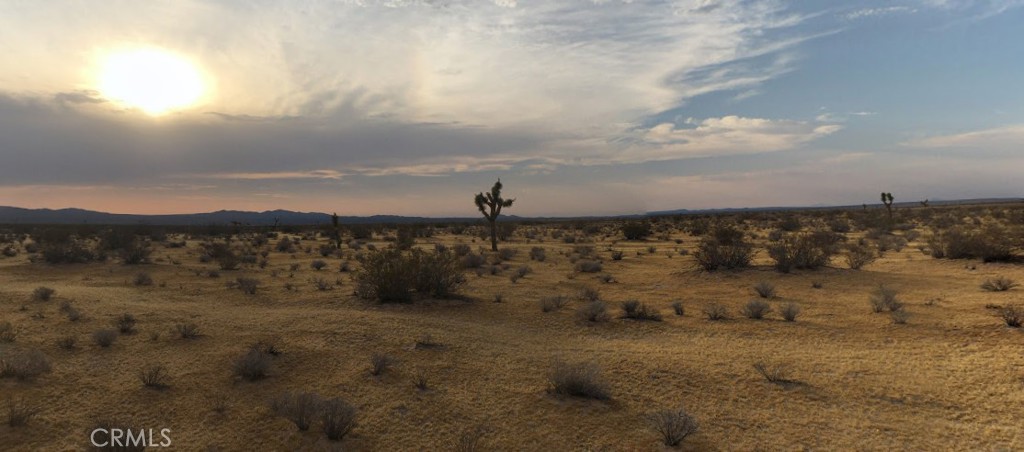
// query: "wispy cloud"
[[1001, 138], [314, 174], [882, 11]]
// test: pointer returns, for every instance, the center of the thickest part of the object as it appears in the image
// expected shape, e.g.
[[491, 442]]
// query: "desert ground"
[[947, 373]]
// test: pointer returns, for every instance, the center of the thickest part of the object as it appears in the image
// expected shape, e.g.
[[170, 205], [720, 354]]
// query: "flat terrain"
[[952, 377]]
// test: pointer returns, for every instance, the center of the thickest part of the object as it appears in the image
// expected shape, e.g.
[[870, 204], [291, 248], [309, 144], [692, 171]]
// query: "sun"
[[152, 80]]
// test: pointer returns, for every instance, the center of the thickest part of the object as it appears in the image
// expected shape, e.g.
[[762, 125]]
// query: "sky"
[[581, 107]]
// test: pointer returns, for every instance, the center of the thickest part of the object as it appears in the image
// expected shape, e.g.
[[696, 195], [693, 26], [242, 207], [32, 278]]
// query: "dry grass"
[[865, 383]]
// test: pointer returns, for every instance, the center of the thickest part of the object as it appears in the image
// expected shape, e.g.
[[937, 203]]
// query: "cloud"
[[728, 135], [999, 138], [314, 174], [875, 12]]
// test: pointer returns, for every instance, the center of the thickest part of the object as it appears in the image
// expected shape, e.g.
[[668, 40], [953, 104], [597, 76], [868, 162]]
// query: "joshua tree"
[[924, 203], [490, 205], [336, 233], [887, 200]]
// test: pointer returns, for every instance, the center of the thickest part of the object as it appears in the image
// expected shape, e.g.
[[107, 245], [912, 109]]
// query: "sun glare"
[[152, 80]]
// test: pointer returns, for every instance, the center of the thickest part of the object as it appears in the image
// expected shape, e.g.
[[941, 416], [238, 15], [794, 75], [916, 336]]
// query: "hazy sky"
[[581, 107]]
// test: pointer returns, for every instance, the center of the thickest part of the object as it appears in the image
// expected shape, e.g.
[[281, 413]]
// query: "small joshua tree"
[[887, 200], [335, 233], [490, 205]]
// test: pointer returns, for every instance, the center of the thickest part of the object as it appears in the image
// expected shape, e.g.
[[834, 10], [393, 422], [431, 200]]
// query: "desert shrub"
[[322, 284], [379, 363], [317, 264], [999, 284], [724, 248], [884, 298], [24, 365], [790, 311], [247, 285], [285, 245], [471, 440], [673, 425], [135, 252], [69, 252], [636, 230], [506, 254], [461, 249], [1012, 315], [991, 243], [588, 266], [777, 373], [186, 330], [125, 323], [889, 242], [473, 260], [789, 223], [155, 376], [67, 342], [804, 251], [899, 316], [589, 294], [537, 254], [715, 311], [756, 309], [386, 276], [437, 274], [594, 311], [337, 418], [142, 279], [268, 345], [7, 332], [225, 257], [43, 293], [858, 255], [617, 255], [839, 225], [252, 365], [105, 337], [636, 310], [578, 380], [301, 408], [20, 411], [553, 303], [765, 289], [677, 307]]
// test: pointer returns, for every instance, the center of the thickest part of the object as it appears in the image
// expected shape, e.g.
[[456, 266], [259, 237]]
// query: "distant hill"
[[18, 215]]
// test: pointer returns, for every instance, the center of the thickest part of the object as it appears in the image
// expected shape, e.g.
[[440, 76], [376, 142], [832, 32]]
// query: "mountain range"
[[18, 215]]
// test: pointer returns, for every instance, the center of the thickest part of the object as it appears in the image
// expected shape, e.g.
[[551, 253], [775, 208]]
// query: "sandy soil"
[[951, 378]]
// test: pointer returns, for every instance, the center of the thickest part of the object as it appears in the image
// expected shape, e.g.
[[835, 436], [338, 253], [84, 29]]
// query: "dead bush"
[[594, 311], [715, 311], [578, 380], [765, 289], [790, 311], [24, 365], [756, 309], [884, 298], [553, 303], [252, 365], [999, 284], [301, 408], [337, 418], [673, 425], [105, 337], [20, 411], [155, 377], [43, 293], [634, 309]]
